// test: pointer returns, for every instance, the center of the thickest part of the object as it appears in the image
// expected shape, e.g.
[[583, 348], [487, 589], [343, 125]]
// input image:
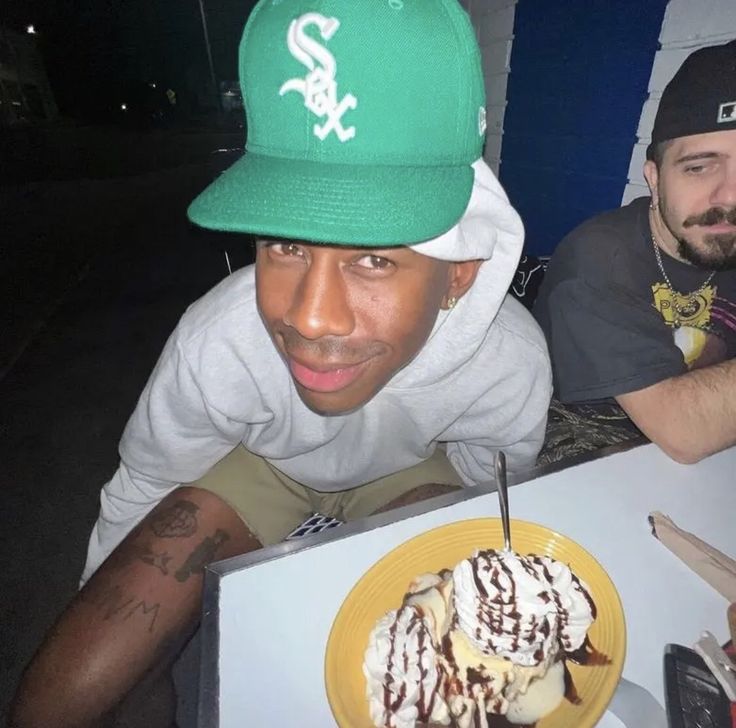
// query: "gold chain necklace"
[[689, 297]]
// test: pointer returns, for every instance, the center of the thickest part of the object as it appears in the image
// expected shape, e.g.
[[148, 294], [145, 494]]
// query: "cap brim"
[[334, 203]]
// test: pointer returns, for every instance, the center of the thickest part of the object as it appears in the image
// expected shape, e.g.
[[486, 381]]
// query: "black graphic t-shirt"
[[608, 314]]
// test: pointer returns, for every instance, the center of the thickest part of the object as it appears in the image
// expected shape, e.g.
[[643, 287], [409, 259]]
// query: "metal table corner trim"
[[208, 705]]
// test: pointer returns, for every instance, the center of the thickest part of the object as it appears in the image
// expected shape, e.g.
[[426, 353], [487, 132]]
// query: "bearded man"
[[638, 303]]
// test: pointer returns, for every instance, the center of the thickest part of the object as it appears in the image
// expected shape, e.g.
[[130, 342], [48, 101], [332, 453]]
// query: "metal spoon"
[[503, 497]]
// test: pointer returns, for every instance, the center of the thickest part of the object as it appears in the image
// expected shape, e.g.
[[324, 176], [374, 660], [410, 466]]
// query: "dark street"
[[95, 274]]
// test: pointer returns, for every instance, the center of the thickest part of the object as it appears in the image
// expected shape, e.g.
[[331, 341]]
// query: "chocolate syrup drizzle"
[[586, 654], [416, 624], [487, 562]]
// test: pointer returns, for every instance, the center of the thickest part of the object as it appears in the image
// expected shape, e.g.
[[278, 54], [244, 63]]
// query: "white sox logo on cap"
[[319, 87]]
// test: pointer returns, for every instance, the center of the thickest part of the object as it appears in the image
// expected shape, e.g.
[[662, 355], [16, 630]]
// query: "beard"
[[717, 251]]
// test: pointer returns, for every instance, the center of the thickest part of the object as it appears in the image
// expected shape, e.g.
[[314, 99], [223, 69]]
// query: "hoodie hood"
[[491, 230]]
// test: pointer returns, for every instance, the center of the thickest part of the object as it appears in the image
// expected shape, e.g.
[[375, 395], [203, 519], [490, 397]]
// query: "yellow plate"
[[383, 586]]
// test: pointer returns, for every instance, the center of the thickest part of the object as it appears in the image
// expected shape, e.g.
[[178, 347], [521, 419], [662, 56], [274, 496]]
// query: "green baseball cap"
[[364, 117]]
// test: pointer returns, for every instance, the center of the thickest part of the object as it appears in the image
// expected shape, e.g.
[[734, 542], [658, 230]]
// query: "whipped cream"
[[486, 638], [403, 674], [575, 607], [523, 608]]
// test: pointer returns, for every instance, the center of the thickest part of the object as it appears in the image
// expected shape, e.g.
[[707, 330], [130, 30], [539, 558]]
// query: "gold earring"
[[451, 301]]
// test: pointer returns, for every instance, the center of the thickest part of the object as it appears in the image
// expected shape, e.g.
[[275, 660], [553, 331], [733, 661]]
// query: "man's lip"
[[322, 367], [325, 377], [721, 227]]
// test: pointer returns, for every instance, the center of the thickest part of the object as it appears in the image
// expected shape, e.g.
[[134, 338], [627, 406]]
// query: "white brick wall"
[[494, 25], [687, 25]]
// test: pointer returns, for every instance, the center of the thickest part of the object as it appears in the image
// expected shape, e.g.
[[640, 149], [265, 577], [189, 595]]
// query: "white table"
[[268, 615]]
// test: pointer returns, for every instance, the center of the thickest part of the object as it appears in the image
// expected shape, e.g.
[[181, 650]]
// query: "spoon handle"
[[503, 497]]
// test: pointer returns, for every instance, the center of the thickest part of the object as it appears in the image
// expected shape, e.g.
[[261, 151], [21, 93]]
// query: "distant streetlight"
[[31, 30], [123, 107], [152, 85]]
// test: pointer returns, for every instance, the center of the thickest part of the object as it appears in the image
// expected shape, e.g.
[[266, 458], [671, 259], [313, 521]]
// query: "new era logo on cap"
[[727, 112]]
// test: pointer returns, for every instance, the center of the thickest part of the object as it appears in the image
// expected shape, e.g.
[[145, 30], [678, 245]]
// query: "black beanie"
[[700, 98]]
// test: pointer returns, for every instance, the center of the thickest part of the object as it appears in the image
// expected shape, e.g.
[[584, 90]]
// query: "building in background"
[[25, 94], [572, 89]]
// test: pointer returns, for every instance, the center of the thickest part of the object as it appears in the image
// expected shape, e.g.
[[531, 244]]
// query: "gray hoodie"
[[482, 382]]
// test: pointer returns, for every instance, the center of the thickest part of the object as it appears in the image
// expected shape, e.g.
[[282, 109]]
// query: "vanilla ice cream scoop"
[[403, 676], [523, 608]]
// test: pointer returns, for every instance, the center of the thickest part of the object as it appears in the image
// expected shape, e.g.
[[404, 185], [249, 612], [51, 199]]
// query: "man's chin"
[[715, 252], [331, 404]]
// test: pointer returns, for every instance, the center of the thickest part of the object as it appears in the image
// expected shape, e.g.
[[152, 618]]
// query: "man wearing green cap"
[[369, 359], [639, 304]]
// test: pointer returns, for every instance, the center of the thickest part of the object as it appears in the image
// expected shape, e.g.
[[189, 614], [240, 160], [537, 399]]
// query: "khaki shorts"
[[272, 505]]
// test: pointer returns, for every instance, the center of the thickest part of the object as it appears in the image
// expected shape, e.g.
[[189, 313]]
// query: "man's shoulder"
[[604, 236], [514, 319], [601, 250], [521, 338], [230, 305]]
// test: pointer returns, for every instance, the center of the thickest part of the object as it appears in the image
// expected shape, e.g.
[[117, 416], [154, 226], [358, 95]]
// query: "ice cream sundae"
[[480, 646]]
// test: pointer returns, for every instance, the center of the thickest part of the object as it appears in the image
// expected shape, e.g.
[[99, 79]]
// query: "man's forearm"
[[689, 416], [131, 615]]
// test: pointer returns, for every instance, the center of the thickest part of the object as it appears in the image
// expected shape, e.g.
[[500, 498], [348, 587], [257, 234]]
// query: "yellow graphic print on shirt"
[[692, 336]]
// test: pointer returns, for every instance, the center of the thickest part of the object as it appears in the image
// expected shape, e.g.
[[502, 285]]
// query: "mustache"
[[713, 216], [329, 348]]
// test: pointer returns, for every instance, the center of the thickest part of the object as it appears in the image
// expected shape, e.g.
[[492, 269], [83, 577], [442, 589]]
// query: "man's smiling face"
[[345, 319]]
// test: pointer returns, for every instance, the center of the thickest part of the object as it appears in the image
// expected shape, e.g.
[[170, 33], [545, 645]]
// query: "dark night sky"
[[94, 49]]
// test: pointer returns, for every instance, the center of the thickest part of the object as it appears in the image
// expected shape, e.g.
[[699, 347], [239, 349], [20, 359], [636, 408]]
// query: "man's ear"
[[651, 175], [460, 276]]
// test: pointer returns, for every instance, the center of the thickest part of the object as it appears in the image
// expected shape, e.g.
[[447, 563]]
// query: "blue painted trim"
[[579, 77]]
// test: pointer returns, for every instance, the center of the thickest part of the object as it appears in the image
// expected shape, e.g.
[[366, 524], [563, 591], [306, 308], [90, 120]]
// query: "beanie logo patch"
[[727, 112], [319, 87]]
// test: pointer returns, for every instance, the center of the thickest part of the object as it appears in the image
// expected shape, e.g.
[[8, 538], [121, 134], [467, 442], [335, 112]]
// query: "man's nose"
[[724, 195], [321, 305]]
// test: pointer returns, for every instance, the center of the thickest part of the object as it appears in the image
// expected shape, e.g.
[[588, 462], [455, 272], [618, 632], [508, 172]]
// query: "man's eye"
[[374, 262], [696, 169], [286, 249]]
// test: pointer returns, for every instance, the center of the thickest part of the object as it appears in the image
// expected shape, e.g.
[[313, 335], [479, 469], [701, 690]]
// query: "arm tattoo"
[[202, 555], [177, 521], [113, 604], [158, 560]]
